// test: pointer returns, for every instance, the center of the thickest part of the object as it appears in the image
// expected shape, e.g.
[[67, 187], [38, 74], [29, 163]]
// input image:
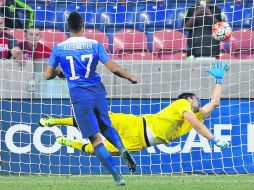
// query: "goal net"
[[149, 39]]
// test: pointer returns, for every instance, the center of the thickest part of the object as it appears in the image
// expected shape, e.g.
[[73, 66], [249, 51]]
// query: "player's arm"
[[217, 71], [215, 18], [114, 68], [197, 125], [190, 16], [51, 72], [214, 102], [204, 131], [119, 71]]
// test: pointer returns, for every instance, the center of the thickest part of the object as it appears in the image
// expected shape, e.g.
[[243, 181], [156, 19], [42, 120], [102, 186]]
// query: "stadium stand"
[[99, 36], [169, 44], [224, 47], [115, 18], [112, 16], [45, 17], [18, 34], [131, 44], [153, 18], [51, 37], [238, 16], [242, 44]]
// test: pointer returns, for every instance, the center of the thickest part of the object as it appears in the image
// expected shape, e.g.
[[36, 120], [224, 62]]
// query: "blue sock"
[[103, 155], [113, 137]]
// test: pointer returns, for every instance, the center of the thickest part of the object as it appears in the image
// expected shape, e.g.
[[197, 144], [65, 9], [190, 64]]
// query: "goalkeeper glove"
[[222, 144], [217, 71]]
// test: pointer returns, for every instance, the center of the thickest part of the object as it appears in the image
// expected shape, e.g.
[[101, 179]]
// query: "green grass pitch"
[[145, 182]]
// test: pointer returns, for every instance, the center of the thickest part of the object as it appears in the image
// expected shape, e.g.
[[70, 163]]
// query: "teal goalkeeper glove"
[[222, 144], [217, 71]]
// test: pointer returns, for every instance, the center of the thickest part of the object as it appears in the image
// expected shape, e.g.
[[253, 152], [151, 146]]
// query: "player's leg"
[[101, 152], [88, 125], [50, 121], [111, 134]]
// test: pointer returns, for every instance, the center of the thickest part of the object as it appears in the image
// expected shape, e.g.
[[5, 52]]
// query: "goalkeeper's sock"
[[113, 137], [65, 121], [88, 148], [76, 144], [103, 155]]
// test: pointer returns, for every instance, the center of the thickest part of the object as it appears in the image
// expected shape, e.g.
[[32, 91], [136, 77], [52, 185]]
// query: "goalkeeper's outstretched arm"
[[202, 129], [217, 71]]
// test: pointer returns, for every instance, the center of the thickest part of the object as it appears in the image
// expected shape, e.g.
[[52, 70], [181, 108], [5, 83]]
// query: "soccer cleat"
[[119, 180], [63, 141], [129, 160], [46, 122]]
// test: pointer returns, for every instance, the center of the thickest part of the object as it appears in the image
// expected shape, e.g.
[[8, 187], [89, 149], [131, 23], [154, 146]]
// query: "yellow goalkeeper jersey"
[[169, 123]]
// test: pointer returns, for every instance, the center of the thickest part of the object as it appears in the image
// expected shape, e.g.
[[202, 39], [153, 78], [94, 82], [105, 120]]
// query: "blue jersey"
[[78, 57]]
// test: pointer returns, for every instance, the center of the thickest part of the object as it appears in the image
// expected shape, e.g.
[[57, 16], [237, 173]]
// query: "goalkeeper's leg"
[[50, 121], [109, 133], [86, 147]]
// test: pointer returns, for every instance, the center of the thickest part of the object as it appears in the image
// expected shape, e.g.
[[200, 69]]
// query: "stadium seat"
[[44, 18], [134, 6], [18, 34], [242, 43], [130, 44], [238, 16], [99, 5], [180, 15], [91, 20], [146, 56], [227, 56], [250, 57], [224, 47], [52, 37], [181, 2], [82, 9], [99, 36], [115, 18], [169, 44], [155, 18], [63, 10]]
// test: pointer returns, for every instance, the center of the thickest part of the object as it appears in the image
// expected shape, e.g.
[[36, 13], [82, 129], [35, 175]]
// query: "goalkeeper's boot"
[[119, 180], [47, 122], [63, 141], [129, 160]]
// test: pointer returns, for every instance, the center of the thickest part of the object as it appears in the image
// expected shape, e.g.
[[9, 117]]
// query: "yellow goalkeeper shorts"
[[130, 129]]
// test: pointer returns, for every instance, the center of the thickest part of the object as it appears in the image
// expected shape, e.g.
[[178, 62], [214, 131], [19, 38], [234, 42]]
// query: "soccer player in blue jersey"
[[78, 57]]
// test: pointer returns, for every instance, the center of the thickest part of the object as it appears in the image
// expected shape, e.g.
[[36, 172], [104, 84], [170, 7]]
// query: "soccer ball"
[[221, 31]]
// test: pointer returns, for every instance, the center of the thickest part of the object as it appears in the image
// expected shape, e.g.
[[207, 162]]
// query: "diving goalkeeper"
[[174, 121]]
